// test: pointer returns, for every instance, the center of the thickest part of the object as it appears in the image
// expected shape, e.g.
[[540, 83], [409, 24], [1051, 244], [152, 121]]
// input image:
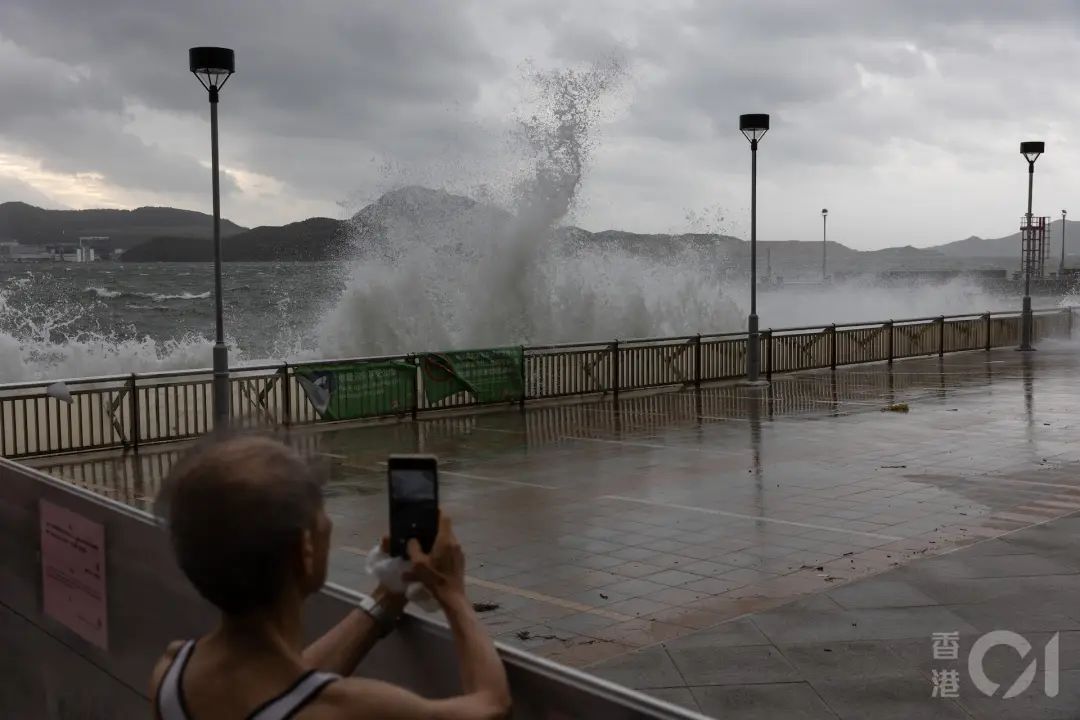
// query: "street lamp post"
[[824, 245], [1031, 151], [753, 127], [213, 66], [1061, 267]]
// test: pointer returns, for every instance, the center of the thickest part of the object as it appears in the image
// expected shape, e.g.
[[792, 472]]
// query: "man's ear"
[[308, 558]]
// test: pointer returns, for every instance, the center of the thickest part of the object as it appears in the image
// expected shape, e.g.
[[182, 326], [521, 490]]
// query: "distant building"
[[14, 251]]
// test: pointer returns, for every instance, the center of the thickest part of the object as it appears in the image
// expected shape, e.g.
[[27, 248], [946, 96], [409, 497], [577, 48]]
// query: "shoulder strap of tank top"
[[290, 702], [170, 698]]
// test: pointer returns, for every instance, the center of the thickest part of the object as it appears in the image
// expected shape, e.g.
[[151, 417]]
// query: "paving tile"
[[1028, 705], [732, 665], [581, 623], [674, 578], [787, 627], [887, 698], [639, 632], [634, 588], [638, 606], [648, 668], [729, 634], [841, 661], [676, 596], [880, 593], [635, 569], [710, 586], [763, 701], [683, 697]]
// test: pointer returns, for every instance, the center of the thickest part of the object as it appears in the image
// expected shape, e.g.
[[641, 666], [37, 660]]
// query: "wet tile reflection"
[[598, 528]]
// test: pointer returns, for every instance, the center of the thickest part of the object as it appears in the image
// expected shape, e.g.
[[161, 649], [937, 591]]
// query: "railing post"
[[286, 395], [521, 400], [615, 369], [988, 330], [889, 340], [133, 393], [697, 360], [832, 346], [415, 360], [941, 336], [767, 337]]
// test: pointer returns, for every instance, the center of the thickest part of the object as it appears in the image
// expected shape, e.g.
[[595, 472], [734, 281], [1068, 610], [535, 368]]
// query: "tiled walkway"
[[597, 529], [867, 649]]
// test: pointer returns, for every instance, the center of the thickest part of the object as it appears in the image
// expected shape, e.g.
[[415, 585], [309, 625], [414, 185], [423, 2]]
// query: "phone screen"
[[414, 501]]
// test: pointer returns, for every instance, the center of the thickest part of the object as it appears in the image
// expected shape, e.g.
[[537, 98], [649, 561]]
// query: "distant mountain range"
[[32, 225], [166, 234]]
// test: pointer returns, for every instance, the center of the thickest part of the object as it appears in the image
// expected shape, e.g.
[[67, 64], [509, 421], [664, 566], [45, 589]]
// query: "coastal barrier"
[[126, 411]]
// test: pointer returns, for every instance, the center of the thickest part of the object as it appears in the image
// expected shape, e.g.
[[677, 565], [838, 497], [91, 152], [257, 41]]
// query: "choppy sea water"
[[62, 320]]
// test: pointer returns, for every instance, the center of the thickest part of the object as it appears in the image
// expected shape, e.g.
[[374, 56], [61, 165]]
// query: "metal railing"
[[126, 411]]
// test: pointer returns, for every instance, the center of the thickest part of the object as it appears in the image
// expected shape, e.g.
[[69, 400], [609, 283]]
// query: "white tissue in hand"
[[390, 572]]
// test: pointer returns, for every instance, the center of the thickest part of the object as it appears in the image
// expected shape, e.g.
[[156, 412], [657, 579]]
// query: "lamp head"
[[824, 211], [1032, 149], [212, 66], [754, 126]]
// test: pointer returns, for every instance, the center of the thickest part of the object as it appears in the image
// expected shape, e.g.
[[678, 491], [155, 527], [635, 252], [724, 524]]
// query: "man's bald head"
[[236, 511]]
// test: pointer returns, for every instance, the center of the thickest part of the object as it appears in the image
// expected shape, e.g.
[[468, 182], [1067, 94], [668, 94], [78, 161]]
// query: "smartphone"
[[413, 482]]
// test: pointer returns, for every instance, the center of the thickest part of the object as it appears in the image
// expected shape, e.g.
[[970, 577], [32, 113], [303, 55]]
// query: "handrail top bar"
[[602, 345], [597, 345]]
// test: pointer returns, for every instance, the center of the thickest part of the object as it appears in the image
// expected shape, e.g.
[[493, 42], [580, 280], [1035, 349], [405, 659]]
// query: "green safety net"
[[346, 391], [494, 375]]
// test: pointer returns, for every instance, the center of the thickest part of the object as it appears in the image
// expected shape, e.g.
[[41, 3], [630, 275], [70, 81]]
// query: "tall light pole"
[[1061, 267], [824, 245], [753, 127], [213, 66], [1031, 151]]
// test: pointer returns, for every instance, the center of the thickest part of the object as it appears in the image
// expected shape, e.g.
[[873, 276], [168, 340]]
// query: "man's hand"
[[443, 571]]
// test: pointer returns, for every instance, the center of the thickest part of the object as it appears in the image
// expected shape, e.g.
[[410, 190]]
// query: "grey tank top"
[[171, 704]]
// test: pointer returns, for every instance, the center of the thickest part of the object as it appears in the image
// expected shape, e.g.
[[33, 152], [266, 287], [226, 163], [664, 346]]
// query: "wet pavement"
[[599, 530]]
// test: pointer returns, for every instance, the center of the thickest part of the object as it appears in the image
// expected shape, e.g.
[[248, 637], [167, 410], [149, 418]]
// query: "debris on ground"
[[525, 635], [603, 596], [896, 407], [482, 607], [893, 467]]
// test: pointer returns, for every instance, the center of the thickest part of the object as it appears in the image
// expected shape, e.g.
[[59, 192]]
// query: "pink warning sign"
[[73, 572]]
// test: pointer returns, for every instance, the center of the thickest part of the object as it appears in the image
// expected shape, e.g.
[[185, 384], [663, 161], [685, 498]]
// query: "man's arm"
[[483, 677], [343, 646], [361, 697]]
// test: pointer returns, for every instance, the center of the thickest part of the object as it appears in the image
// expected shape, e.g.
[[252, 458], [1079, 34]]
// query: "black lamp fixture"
[[212, 67], [753, 126]]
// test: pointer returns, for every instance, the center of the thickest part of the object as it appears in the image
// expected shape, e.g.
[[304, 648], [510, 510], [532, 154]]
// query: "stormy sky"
[[903, 118]]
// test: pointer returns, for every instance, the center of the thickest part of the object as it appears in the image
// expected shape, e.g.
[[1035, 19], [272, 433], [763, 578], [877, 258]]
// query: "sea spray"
[[435, 272]]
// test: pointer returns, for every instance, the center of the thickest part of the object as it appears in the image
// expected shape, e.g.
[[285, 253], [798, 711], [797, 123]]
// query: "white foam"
[[103, 292]]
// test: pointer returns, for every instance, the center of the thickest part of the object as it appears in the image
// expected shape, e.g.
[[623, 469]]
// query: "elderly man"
[[249, 530]]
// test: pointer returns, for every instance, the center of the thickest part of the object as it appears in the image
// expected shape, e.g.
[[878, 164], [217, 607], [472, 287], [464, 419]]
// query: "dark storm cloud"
[[337, 98], [843, 79], [69, 121], [379, 75]]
